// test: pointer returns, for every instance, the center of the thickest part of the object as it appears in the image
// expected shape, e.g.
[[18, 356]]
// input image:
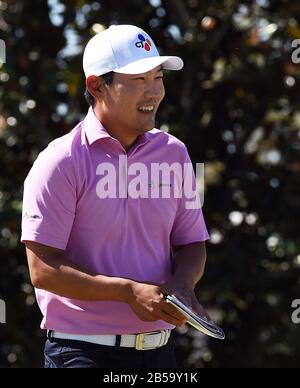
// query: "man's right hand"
[[148, 303]]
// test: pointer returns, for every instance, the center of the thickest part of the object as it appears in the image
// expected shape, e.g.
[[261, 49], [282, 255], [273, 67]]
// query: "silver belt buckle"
[[140, 339]]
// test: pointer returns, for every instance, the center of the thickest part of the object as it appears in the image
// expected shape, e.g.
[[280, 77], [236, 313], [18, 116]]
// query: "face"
[[131, 101]]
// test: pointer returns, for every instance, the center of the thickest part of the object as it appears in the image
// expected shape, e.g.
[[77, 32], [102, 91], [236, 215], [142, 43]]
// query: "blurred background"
[[235, 105]]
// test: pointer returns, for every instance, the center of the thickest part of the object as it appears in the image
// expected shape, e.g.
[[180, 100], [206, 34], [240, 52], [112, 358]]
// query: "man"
[[98, 243]]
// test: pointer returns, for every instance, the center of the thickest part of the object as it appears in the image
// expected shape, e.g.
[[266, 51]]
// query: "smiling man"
[[134, 97], [101, 264]]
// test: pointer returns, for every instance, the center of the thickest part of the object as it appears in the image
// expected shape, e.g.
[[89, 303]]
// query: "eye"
[[139, 78]]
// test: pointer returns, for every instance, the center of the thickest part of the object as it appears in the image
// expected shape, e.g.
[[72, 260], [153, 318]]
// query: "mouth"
[[146, 109]]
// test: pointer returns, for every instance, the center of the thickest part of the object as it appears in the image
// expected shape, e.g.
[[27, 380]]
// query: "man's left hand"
[[186, 295]]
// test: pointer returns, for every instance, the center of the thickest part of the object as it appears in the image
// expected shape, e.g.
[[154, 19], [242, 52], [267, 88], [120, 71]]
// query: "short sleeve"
[[49, 200], [189, 225]]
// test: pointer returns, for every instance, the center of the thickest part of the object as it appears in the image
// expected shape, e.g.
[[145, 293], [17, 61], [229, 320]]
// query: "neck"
[[126, 139]]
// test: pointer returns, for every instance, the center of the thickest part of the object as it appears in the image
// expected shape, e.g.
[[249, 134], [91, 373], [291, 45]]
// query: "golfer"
[[105, 234]]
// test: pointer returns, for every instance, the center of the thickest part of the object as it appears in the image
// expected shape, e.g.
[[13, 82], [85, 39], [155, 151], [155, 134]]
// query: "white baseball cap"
[[124, 49]]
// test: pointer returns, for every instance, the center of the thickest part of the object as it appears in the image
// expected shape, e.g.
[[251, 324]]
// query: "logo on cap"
[[143, 43]]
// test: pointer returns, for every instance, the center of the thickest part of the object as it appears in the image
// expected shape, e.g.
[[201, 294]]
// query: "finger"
[[163, 315], [171, 310]]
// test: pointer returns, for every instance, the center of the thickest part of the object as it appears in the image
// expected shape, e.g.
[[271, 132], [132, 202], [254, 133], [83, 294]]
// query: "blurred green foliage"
[[236, 106]]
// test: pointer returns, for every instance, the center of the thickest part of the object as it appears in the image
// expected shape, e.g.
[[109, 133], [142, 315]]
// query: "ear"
[[95, 86]]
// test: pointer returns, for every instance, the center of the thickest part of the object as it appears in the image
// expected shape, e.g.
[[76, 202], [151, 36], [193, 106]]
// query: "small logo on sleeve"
[[30, 216], [143, 43]]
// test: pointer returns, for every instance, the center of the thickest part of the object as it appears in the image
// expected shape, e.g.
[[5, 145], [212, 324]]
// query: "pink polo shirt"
[[70, 204]]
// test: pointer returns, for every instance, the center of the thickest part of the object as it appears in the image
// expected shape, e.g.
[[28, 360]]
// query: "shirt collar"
[[95, 130]]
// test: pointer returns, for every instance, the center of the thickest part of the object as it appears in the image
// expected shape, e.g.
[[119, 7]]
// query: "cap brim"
[[148, 64]]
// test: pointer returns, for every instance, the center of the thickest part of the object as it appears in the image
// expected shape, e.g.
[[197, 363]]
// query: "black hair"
[[108, 79]]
